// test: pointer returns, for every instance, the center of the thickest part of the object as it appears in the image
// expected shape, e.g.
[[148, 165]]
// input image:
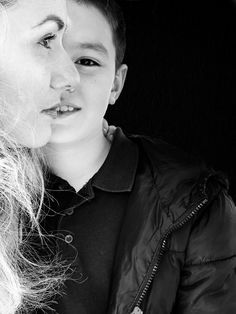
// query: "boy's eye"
[[86, 62], [45, 41]]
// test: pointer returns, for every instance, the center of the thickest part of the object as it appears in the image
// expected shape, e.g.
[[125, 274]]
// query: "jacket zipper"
[[141, 295]]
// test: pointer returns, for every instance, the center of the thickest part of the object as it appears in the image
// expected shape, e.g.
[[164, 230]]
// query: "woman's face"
[[35, 71]]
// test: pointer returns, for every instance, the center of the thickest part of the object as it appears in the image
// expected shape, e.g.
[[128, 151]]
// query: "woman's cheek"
[[33, 131]]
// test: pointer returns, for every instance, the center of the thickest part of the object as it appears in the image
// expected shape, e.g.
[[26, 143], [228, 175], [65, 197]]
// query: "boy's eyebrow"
[[54, 18], [97, 46]]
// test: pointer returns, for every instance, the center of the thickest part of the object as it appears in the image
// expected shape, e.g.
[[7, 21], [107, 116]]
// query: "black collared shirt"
[[89, 222]]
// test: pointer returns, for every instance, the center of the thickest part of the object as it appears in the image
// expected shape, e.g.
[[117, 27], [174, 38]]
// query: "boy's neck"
[[77, 162]]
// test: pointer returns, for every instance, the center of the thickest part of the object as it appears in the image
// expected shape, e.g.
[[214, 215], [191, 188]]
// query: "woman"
[[30, 46]]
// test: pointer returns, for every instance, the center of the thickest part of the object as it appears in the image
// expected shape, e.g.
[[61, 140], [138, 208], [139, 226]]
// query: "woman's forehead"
[[25, 19], [34, 11]]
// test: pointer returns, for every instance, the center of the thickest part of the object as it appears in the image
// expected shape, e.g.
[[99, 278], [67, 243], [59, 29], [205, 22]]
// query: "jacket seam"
[[223, 259]]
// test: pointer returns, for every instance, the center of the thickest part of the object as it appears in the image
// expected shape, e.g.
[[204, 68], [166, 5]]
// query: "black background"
[[181, 79]]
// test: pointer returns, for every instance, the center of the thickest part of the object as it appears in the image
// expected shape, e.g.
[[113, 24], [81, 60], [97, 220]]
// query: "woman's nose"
[[65, 77]]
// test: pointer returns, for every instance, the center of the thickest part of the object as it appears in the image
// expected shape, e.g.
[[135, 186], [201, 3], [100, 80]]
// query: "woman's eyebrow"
[[54, 18]]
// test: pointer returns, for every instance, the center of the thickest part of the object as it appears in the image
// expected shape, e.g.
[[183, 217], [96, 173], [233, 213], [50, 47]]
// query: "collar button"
[[68, 238]]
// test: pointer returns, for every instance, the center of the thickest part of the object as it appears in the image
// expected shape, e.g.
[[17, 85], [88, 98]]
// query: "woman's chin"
[[34, 144], [34, 141]]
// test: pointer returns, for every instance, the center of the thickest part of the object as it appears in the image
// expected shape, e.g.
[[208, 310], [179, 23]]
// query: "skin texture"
[[35, 70]]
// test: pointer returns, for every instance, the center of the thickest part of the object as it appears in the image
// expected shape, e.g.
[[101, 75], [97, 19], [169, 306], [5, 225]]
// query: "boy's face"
[[88, 41]]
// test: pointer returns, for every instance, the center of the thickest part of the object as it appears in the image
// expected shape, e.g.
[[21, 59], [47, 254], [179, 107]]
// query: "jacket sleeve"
[[208, 278]]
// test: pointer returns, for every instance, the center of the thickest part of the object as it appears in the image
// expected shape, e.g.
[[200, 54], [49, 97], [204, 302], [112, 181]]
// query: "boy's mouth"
[[61, 110]]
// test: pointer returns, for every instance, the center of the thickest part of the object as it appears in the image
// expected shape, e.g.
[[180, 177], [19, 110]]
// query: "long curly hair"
[[27, 280]]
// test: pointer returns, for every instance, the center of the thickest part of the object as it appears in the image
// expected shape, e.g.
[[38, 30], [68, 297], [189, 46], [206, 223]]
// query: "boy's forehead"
[[88, 28]]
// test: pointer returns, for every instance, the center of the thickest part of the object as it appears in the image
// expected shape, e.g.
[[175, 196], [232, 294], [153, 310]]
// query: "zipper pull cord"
[[137, 310]]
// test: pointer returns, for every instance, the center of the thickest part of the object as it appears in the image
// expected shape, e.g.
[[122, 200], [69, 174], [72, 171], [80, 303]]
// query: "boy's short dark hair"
[[114, 15]]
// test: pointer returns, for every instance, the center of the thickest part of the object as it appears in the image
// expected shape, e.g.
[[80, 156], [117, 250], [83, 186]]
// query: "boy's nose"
[[65, 77]]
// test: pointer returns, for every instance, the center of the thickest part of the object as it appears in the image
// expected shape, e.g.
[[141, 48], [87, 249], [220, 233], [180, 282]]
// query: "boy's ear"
[[118, 83]]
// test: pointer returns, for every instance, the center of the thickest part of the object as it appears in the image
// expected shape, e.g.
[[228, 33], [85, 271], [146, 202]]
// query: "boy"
[[146, 228]]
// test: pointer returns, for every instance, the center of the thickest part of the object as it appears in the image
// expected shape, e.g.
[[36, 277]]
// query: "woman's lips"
[[61, 110]]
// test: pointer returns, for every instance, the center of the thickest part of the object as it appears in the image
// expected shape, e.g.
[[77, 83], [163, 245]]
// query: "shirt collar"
[[117, 174]]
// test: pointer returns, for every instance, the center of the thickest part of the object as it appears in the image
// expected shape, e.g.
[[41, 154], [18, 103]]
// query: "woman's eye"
[[86, 62], [46, 41]]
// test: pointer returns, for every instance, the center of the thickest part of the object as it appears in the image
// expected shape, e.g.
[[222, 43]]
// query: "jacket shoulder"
[[167, 160], [179, 177]]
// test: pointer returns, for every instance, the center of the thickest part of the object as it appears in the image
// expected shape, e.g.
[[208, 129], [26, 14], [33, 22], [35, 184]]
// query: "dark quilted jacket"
[[177, 249]]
